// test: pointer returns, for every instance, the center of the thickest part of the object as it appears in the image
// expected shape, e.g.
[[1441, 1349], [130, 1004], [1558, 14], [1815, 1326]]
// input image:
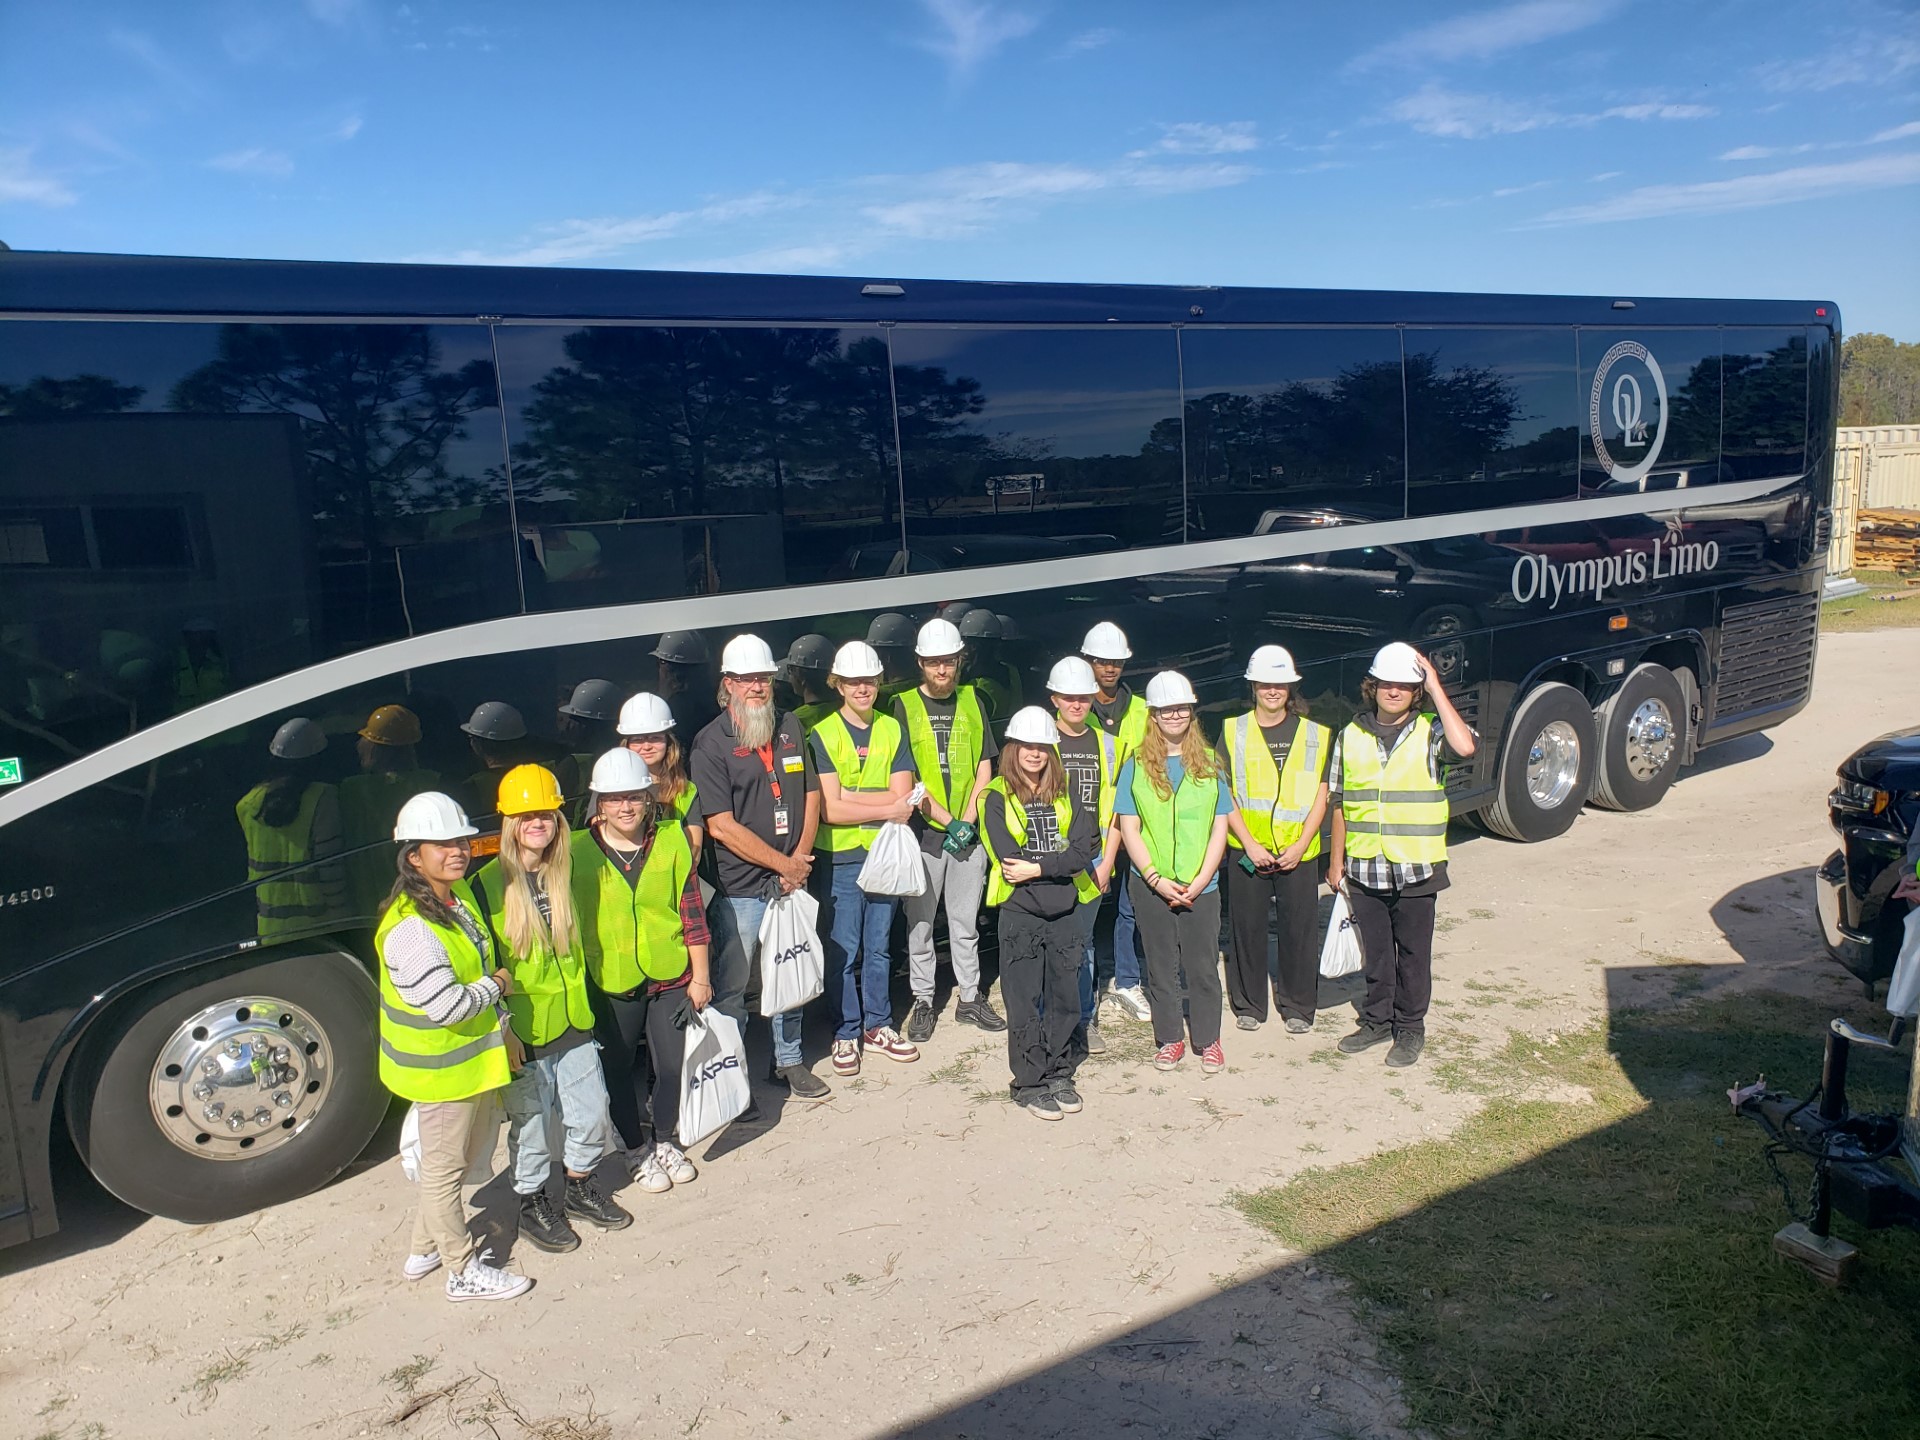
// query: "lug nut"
[[203, 1091], [213, 1111], [282, 1099], [263, 1117], [236, 1120], [233, 1045], [279, 1054], [210, 1069]]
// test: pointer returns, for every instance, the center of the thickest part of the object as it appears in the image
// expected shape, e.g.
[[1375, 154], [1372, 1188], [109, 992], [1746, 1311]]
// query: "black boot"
[[585, 1200], [543, 1224]]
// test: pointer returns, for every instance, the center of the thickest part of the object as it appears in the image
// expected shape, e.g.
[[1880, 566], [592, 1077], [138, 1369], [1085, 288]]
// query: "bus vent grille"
[[1463, 776], [1766, 654]]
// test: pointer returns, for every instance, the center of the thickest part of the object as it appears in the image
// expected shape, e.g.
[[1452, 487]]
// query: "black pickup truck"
[[1875, 809]]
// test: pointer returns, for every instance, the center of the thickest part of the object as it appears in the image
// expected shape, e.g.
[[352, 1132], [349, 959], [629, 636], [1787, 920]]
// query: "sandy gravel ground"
[[919, 1257]]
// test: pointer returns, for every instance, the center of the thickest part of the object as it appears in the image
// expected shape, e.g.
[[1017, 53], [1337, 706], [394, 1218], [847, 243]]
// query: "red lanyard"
[[765, 752]]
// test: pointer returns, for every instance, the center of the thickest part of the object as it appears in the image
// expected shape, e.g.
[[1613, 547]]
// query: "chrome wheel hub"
[[1553, 764], [241, 1078], [1649, 740]]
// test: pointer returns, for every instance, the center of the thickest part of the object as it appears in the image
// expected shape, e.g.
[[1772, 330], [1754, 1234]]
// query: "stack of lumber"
[[1888, 540]]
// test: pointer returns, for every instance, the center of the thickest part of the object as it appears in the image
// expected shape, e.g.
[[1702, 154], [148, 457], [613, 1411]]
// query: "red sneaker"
[[892, 1044], [1213, 1059], [1170, 1055]]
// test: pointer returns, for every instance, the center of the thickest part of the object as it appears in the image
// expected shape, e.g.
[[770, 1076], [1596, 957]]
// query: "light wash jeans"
[[735, 921], [857, 962], [961, 883], [570, 1083]]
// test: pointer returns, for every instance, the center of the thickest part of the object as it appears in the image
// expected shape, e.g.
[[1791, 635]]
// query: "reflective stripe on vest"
[[632, 933], [874, 778], [964, 746], [998, 886], [420, 1060], [1176, 830], [1394, 811], [1274, 804], [549, 991], [284, 905]]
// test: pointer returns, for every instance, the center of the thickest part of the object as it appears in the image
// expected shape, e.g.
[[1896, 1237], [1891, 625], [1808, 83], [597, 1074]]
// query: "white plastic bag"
[[480, 1145], [713, 1079], [1903, 990], [894, 865], [1340, 951], [793, 966]]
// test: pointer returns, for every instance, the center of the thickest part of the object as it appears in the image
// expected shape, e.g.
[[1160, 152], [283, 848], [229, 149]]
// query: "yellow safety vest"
[[1108, 749], [1274, 804], [1177, 829], [998, 887], [632, 933], [964, 747], [874, 777], [811, 714], [549, 991], [1132, 728], [425, 1062], [290, 898], [1393, 810]]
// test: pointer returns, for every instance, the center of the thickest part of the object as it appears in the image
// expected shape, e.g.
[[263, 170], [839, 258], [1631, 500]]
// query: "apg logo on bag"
[[790, 954], [713, 1068]]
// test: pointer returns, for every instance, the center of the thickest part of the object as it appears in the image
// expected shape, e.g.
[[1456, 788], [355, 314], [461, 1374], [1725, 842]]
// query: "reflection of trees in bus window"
[[1493, 418], [1764, 422], [1689, 454]]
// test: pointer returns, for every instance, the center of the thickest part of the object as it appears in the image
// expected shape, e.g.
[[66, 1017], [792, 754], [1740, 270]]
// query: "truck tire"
[[1643, 734], [202, 1099], [1546, 765]]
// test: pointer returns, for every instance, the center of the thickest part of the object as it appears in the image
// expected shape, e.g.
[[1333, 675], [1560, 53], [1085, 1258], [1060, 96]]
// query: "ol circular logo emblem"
[[1631, 368]]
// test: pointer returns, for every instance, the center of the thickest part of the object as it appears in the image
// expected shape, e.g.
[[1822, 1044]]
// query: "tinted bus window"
[[651, 462], [190, 509], [1764, 418], [1493, 417], [1031, 444], [1292, 429], [1653, 410]]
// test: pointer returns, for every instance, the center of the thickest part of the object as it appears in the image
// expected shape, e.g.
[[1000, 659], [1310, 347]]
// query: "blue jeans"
[[857, 961], [735, 921], [571, 1083]]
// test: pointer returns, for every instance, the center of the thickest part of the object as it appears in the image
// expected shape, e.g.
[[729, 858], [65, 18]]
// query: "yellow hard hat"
[[526, 789], [392, 725]]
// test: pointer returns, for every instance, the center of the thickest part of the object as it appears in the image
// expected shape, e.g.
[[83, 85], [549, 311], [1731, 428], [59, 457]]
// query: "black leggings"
[[619, 1023], [1176, 941], [1251, 902]]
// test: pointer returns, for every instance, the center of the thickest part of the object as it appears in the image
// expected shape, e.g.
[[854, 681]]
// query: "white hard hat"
[[1272, 665], [619, 771], [857, 660], [1106, 641], [1033, 726], [1169, 687], [938, 637], [747, 655], [644, 714], [299, 739], [1072, 676], [431, 816], [1398, 662]]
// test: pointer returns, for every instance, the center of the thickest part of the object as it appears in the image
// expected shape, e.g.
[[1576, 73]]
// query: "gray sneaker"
[[1407, 1046], [1096, 1044], [1042, 1106], [1067, 1098], [1297, 1026], [802, 1083], [1246, 1022], [1364, 1038]]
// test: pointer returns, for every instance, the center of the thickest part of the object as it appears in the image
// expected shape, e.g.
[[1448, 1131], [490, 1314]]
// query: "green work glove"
[[960, 838]]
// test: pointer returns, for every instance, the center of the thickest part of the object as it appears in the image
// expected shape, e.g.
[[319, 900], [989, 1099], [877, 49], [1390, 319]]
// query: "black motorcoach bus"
[[234, 494]]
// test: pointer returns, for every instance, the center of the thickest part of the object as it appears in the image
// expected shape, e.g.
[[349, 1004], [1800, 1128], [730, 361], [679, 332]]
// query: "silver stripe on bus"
[[743, 609]]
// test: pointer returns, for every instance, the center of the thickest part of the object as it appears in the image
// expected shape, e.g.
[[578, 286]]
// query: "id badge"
[[780, 822]]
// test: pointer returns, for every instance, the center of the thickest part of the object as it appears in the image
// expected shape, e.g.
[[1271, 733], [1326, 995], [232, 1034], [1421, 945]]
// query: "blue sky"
[[1713, 147]]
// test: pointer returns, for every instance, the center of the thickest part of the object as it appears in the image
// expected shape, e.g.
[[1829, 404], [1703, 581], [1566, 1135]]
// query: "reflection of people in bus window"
[[200, 669], [291, 821], [390, 773]]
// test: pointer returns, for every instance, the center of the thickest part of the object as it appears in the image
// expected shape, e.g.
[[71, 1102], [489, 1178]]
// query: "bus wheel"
[[1643, 734], [206, 1099], [1546, 765]]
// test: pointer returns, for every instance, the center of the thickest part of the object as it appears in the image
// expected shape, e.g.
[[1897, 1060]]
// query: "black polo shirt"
[[734, 779]]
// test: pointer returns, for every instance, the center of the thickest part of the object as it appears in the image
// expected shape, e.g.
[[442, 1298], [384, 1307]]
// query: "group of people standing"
[[555, 981]]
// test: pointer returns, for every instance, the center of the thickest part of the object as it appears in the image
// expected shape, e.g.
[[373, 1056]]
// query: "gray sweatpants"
[[961, 884]]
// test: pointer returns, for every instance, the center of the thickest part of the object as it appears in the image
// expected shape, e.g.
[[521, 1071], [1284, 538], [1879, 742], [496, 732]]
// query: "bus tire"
[[283, 1059], [1643, 734], [1546, 765]]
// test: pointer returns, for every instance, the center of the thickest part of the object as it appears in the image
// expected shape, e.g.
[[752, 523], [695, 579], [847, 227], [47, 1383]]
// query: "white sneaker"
[[652, 1176], [673, 1160], [1133, 1000], [418, 1267], [481, 1281]]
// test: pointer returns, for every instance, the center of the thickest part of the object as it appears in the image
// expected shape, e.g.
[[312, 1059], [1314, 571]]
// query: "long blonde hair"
[[1195, 754], [521, 918]]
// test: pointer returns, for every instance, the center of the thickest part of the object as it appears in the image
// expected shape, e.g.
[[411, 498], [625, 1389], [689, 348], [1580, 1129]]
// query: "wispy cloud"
[[1748, 192], [1768, 152], [965, 200], [1605, 175], [1503, 193], [1875, 54], [1199, 138], [255, 160], [1487, 33], [146, 52], [570, 241], [1898, 132], [348, 128], [22, 183], [1434, 109], [969, 31], [1087, 40]]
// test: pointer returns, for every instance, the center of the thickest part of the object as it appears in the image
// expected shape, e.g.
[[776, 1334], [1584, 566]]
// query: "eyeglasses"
[[628, 801], [1174, 712], [634, 742], [752, 682]]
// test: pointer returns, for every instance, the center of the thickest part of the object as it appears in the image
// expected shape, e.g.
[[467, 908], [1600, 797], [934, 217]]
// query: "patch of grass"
[[1889, 602], [1442, 924], [1602, 1266], [1480, 912], [228, 1367], [406, 1378]]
